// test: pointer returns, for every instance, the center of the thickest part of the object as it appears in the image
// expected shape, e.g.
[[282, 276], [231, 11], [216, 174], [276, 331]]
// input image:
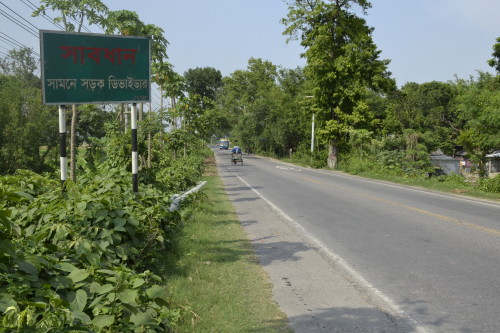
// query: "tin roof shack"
[[493, 165], [446, 165]]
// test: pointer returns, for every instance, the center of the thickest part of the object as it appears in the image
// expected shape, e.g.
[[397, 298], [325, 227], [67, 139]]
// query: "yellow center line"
[[420, 211]]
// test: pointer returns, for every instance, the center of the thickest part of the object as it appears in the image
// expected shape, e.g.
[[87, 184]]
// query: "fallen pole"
[[176, 198]]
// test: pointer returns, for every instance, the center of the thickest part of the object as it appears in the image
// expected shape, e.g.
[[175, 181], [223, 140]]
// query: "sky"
[[426, 40]]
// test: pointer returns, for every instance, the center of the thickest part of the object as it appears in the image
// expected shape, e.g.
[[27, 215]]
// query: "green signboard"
[[80, 68]]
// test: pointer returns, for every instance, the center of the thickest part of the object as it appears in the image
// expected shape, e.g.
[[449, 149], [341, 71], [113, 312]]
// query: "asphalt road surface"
[[347, 254]]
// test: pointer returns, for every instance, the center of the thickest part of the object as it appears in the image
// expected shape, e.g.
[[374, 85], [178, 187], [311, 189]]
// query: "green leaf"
[[106, 271], [61, 282], [156, 292], [120, 212], [94, 286], [65, 267], [106, 288], [28, 268], [6, 247], [111, 297], [128, 296], [82, 205], [78, 275], [133, 221], [82, 316], [78, 300], [6, 300], [119, 222], [138, 282], [93, 258], [96, 301], [141, 318], [102, 321]]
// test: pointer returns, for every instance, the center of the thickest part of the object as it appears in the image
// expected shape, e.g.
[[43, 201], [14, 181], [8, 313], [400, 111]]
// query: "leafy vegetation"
[[81, 259]]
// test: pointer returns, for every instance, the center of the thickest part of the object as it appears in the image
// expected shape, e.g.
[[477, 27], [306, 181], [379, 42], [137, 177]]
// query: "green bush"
[[79, 260], [453, 179], [356, 164], [491, 185], [80, 257]]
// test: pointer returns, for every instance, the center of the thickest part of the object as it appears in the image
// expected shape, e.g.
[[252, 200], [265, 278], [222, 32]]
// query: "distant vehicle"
[[223, 143], [236, 155]]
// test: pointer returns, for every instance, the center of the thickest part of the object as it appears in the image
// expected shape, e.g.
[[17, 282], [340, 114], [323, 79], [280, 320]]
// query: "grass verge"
[[215, 274], [446, 184]]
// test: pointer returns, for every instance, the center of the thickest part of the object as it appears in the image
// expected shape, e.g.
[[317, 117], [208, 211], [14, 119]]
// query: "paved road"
[[409, 260]]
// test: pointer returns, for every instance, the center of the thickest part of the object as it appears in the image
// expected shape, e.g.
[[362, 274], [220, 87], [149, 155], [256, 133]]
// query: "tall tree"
[[28, 130], [74, 12], [429, 110], [204, 82], [342, 63], [246, 99], [495, 61], [22, 64], [478, 103], [202, 86]]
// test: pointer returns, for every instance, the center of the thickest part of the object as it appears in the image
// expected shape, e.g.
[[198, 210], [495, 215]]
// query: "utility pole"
[[312, 128], [312, 134]]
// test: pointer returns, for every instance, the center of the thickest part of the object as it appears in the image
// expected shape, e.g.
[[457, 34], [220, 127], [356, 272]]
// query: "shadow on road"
[[358, 320]]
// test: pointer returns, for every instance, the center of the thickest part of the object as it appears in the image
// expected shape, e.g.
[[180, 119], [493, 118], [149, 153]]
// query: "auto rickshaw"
[[236, 155]]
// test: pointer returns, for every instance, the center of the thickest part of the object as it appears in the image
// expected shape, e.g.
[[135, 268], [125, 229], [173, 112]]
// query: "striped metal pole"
[[133, 123], [62, 145]]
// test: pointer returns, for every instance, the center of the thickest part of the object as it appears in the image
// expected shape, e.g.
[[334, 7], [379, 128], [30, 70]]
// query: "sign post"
[[62, 144], [79, 68], [133, 124]]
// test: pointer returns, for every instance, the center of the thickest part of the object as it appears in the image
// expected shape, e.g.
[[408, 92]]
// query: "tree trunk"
[[125, 117], [174, 119], [72, 160], [120, 115], [333, 150]]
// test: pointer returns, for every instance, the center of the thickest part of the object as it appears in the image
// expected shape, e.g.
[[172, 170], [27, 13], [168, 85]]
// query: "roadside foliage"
[[81, 259]]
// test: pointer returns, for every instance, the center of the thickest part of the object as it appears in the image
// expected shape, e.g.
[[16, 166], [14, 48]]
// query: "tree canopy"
[[342, 63]]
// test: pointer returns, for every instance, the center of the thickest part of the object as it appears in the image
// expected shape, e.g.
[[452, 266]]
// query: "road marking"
[[420, 211], [287, 168], [408, 188], [393, 307]]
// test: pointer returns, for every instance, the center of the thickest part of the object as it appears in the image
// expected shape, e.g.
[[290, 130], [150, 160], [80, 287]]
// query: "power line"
[[14, 43], [36, 28], [11, 40], [33, 7], [5, 54], [2, 12]]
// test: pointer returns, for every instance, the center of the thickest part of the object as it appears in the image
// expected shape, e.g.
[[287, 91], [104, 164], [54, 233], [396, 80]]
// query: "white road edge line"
[[412, 188], [344, 265]]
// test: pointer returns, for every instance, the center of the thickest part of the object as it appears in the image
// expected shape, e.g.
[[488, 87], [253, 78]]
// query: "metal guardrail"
[[177, 198]]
